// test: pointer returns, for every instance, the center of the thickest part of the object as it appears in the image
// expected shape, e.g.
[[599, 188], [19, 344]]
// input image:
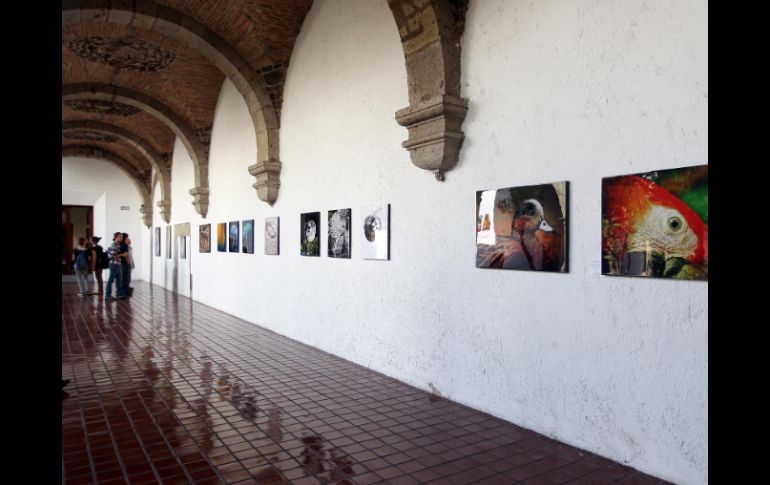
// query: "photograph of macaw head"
[[655, 224], [522, 228]]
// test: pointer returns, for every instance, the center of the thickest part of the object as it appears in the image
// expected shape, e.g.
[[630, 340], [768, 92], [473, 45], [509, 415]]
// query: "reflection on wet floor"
[[168, 391]]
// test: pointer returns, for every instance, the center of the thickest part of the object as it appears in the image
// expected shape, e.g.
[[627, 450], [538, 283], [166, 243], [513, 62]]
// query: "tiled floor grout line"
[[80, 412], [190, 406], [467, 456], [450, 461], [210, 396], [133, 428], [155, 422]]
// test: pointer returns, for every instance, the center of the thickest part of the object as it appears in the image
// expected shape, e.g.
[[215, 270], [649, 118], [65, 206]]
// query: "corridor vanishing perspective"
[[167, 390]]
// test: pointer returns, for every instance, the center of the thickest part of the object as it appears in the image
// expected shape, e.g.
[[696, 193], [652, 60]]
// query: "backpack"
[[81, 262], [102, 260]]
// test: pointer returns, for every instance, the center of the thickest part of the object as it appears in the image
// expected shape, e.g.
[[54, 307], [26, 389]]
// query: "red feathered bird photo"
[[655, 224]]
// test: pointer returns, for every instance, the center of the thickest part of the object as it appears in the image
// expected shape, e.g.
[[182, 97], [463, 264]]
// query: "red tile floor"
[[166, 390]]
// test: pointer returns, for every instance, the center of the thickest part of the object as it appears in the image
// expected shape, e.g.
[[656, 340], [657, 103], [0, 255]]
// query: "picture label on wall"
[[204, 238], [339, 233], [222, 237], [247, 245], [235, 242], [310, 236], [272, 236], [655, 224], [157, 241], [522, 228], [375, 232], [168, 242]]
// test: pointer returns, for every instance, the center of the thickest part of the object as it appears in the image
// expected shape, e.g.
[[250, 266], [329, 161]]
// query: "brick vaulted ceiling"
[[138, 74]]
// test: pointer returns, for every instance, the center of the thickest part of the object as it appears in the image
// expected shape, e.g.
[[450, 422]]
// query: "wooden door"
[[66, 241]]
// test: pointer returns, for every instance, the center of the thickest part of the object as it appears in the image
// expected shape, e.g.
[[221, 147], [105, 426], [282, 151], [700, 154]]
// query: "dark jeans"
[[116, 275], [127, 280], [99, 281]]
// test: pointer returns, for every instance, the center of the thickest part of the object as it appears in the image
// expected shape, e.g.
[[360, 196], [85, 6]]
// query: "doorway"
[[182, 278], [76, 221]]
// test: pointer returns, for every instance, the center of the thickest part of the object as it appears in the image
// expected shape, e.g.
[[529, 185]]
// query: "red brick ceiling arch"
[[154, 159], [250, 41], [196, 144]]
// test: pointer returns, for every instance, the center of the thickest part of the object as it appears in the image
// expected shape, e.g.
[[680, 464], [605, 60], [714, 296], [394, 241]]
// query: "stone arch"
[[197, 149], [177, 25], [142, 146], [430, 32], [100, 154]]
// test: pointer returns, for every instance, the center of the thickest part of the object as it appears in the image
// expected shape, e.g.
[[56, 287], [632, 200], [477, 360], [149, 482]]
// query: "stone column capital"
[[267, 173], [200, 200]]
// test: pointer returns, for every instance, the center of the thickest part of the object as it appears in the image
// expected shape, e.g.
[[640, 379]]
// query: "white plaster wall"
[[182, 210], [576, 91], [558, 91], [158, 262], [100, 207], [87, 181], [228, 280]]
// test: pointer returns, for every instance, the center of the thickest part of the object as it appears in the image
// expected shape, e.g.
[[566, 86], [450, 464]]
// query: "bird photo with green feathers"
[[655, 224]]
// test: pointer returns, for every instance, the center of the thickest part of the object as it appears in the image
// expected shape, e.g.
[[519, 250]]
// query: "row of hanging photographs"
[[654, 224], [374, 230]]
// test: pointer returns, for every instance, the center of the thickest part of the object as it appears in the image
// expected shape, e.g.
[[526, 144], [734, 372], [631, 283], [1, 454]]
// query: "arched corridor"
[[495, 203]]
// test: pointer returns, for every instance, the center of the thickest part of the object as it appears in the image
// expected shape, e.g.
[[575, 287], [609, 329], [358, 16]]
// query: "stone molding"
[[268, 182]]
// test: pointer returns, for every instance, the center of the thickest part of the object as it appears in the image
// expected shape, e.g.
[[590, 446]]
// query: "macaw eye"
[[674, 223]]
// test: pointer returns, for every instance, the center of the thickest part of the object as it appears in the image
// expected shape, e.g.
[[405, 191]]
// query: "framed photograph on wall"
[[157, 241], [247, 236], [310, 234], [183, 247], [235, 236], [375, 232], [204, 238], [272, 236], [339, 233], [222, 237], [655, 224], [168, 242], [522, 228]]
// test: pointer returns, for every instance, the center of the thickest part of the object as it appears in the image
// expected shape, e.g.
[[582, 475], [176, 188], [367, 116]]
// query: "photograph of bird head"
[[529, 217], [655, 224]]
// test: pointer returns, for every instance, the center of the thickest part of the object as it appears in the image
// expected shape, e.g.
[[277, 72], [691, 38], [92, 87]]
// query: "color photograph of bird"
[[649, 230], [522, 228]]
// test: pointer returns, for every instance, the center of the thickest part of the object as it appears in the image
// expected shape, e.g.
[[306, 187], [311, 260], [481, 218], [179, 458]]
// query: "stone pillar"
[[268, 174], [430, 33]]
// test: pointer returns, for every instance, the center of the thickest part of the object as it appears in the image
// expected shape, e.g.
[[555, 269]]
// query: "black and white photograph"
[[272, 236], [339, 233], [310, 235], [375, 232]]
